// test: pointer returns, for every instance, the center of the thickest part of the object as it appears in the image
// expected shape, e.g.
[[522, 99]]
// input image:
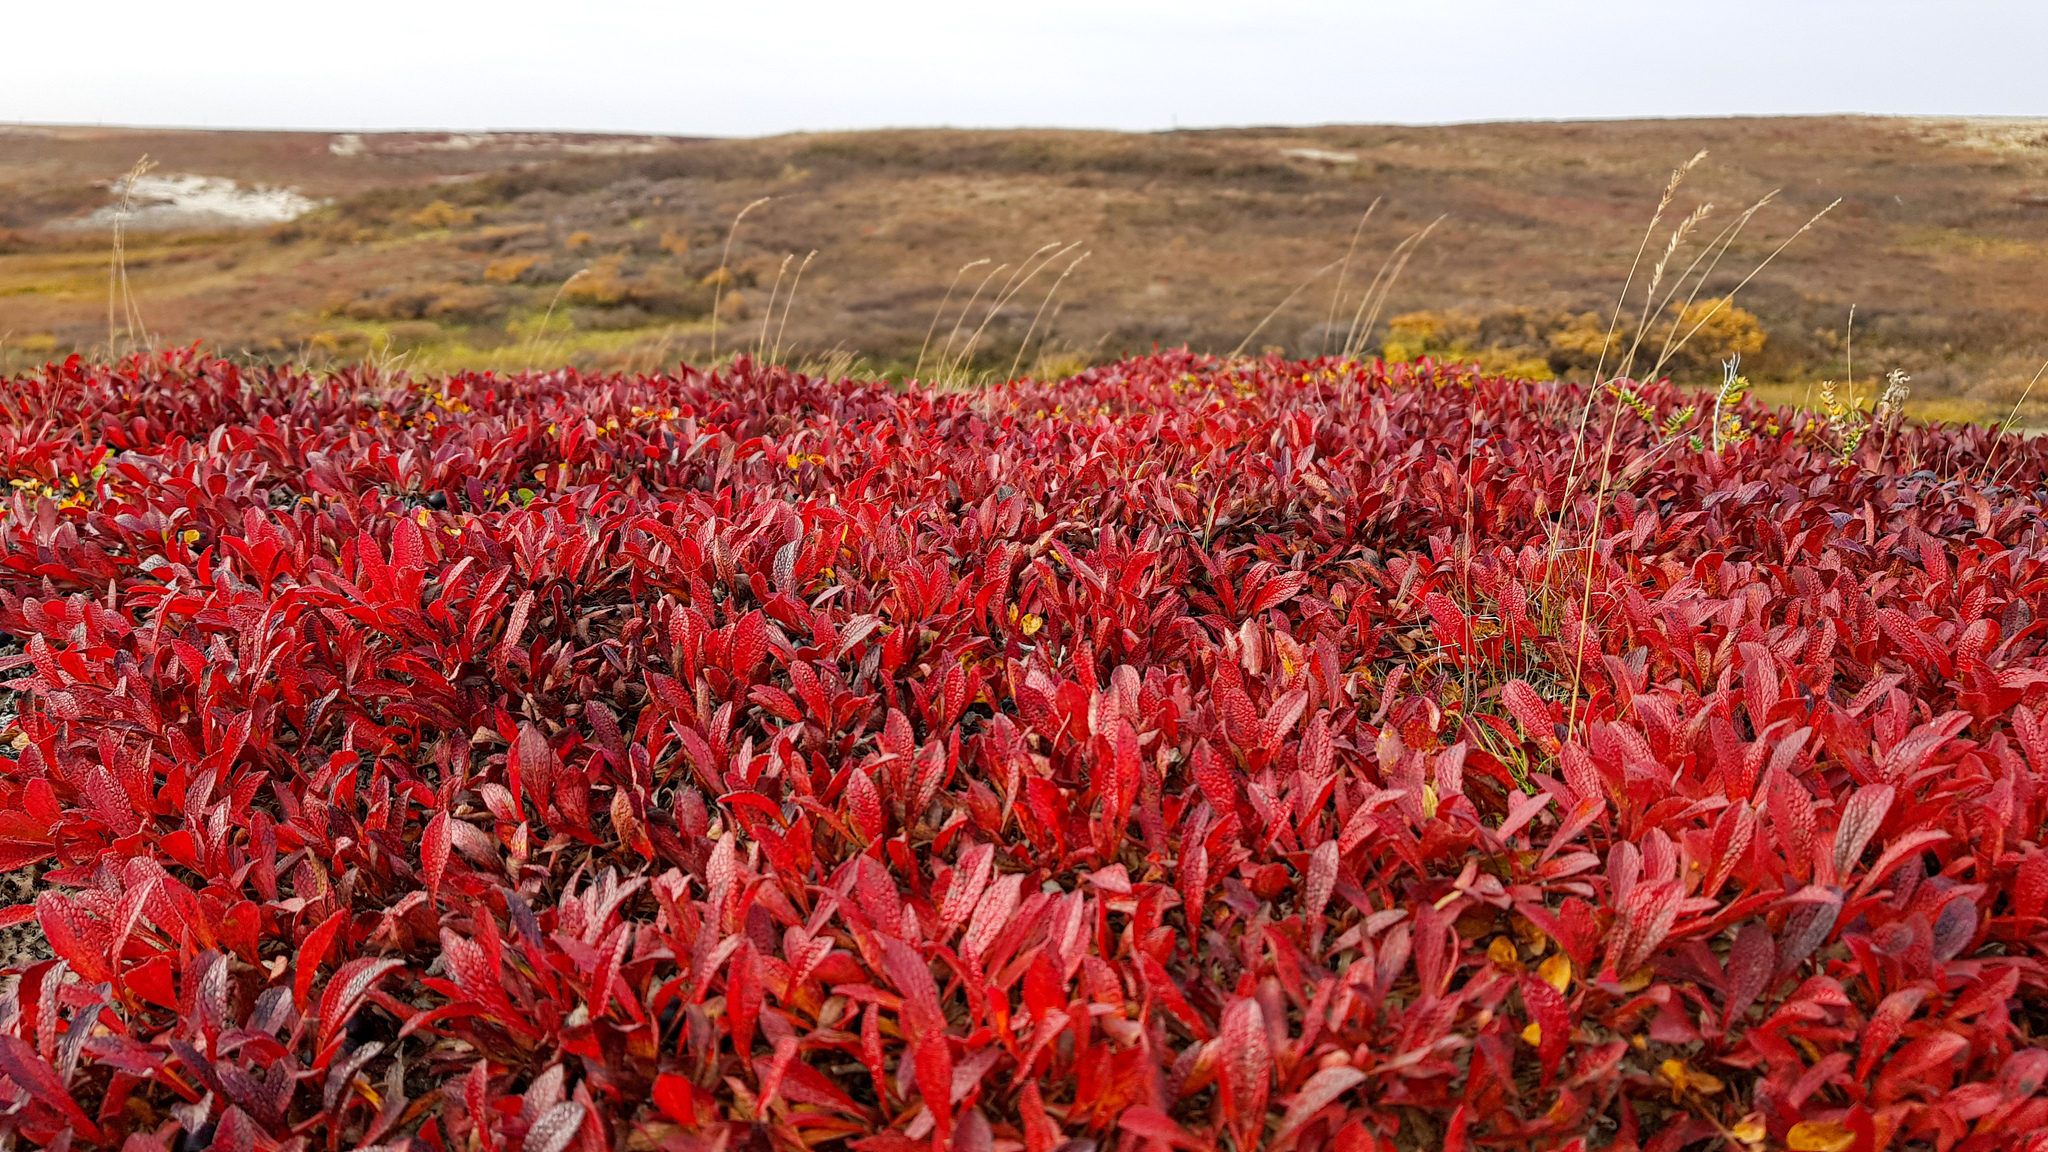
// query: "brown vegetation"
[[1195, 237]]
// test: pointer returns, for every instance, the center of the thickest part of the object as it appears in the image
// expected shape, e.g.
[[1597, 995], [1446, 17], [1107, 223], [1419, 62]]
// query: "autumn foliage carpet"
[[1185, 756]]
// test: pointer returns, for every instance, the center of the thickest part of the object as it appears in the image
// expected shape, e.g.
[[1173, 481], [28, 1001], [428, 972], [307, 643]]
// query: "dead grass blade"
[[1028, 332], [1375, 299], [941, 311], [718, 293]]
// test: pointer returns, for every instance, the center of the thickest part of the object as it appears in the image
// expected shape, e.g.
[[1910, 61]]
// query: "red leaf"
[[1217, 780], [1321, 1090], [345, 993], [1247, 1067], [434, 844], [515, 630], [934, 1073], [1156, 1126], [1526, 706], [1860, 819], [743, 997], [556, 1128], [913, 978], [1322, 880], [1644, 920], [1277, 591], [970, 876], [35, 1076], [311, 953], [676, 1097], [749, 643], [1750, 963], [864, 804]]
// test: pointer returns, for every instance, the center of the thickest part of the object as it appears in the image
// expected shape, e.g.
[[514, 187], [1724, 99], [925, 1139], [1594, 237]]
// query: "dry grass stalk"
[[1337, 294], [1375, 300], [1716, 248], [768, 313], [718, 292], [1028, 332], [1998, 437], [1284, 302], [941, 311], [533, 341], [1678, 175], [788, 303], [1018, 279], [117, 267], [1673, 343], [945, 354]]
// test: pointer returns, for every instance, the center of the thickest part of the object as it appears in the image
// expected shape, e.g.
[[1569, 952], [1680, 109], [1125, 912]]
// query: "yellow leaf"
[[191, 536], [1749, 1129], [1673, 1072], [1638, 980], [1428, 800], [1533, 1034], [1502, 952], [1819, 1136], [1032, 623], [1556, 972]]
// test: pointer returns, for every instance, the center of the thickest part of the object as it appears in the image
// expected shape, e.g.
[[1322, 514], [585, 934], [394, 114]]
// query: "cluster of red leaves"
[[1182, 756]]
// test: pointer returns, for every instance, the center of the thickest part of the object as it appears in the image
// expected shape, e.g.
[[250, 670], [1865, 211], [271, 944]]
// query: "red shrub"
[[1185, 755]]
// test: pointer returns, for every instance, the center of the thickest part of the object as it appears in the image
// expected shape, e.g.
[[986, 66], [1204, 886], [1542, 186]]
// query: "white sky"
[[746, 67]]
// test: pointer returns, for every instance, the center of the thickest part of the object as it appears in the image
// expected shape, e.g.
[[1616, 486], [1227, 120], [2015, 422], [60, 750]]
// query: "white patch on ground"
[[400, 143], [1323, 155], [187, 201]]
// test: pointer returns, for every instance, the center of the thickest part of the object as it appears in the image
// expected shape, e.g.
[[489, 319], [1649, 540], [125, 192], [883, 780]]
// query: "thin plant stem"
[[768, 313], [1727, 300], [1284, 302], [945, 354], [533, 340], [1614, 322], [1041, 312], [1014, 285], [1718, 247], [1998, 435], [1362, 322], [1849, 351], [789, 302], [117, 267], [941, 311], [1337, 294], [718, 292]]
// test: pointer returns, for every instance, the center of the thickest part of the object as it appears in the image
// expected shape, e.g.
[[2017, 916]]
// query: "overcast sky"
[[745, 67]]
